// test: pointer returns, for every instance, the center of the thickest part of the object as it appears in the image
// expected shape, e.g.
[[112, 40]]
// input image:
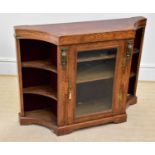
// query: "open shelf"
[[39, 81], [42, 117], [33, 77], [38, 54], [40, 109], [99, 71], [41, 64], [135, 65], [41, 90], [35, 101]]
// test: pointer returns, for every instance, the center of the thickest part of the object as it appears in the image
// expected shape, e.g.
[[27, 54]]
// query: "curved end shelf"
[[27, 32], [41, 90], [43, 117], [40, 64]]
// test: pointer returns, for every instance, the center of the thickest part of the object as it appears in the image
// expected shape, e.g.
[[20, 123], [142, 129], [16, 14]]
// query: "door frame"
[[72, 66]]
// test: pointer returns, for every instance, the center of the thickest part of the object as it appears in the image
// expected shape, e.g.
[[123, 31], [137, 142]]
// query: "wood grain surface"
[[82, 32]]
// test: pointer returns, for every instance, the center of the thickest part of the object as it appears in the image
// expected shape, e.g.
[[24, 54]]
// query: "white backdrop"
[[7, 42]]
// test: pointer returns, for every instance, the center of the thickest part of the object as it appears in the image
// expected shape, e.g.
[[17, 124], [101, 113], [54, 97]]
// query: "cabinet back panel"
[[138, 38], [134, 65], [131, 87], [35, 102], [35, 77]]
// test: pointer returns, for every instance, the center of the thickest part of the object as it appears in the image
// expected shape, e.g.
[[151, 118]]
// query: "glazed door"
[[95, 80]]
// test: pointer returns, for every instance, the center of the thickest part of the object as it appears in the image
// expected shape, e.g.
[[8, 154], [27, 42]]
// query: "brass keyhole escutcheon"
[[129, 49], [64, 57]]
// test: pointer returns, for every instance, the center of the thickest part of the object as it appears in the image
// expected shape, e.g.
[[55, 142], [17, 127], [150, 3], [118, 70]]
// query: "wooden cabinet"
[[78, 75]]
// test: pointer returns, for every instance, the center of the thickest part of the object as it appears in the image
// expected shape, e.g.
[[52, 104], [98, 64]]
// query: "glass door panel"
[[94, 84]]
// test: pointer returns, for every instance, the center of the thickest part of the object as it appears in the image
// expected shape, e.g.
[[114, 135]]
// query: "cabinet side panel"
[[19, 77]]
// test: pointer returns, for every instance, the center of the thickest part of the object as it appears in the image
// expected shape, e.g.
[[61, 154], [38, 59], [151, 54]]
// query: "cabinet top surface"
[[56, 31]]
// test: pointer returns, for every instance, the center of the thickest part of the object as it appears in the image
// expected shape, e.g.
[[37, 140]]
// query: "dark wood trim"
[[69, 128], [66, 129]]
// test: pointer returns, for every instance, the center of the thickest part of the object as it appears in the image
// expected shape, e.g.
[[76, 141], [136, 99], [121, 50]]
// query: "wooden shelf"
[[42, 117], [132, 74], [93, 73], [41, 64], [96, 57], [41, 90]]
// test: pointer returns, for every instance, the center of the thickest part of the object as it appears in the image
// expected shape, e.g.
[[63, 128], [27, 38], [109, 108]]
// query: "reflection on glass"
[[95, 75]]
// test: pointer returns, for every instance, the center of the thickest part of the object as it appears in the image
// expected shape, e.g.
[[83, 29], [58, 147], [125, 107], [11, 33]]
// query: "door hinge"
[[127, 54], [69, 90], [64, 57], [129, 49], [120, 96]]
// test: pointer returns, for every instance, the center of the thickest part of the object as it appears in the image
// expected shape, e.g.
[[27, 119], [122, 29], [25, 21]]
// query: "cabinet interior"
[[95, 75], [94, 100]]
